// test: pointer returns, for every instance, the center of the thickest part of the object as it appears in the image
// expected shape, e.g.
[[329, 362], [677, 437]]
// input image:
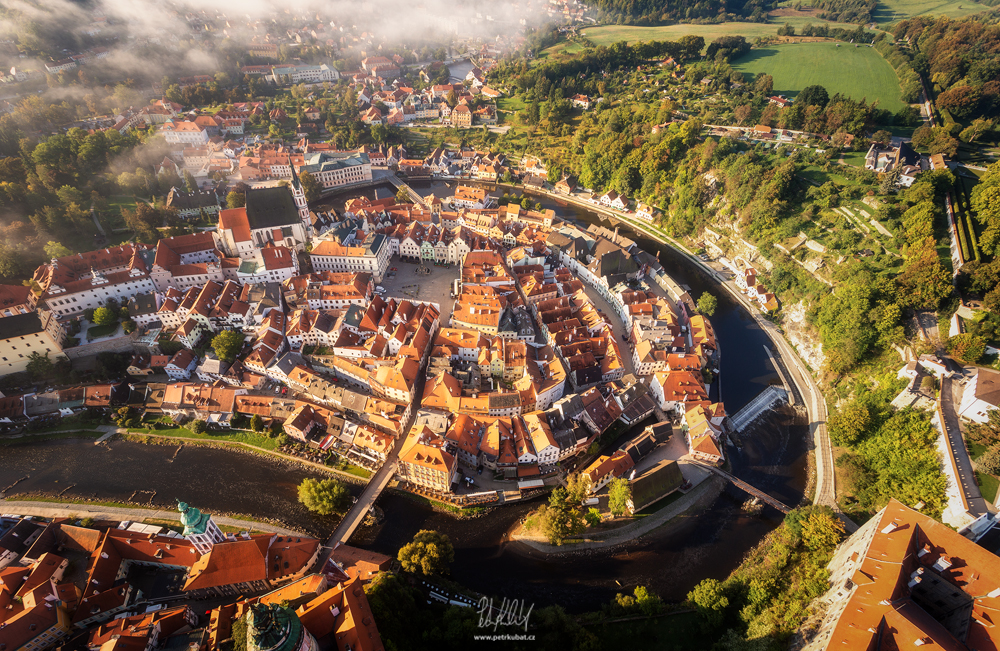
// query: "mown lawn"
[[856, 158], [115, 205], [857, 72], [988, 485], [102, 330], [236, 436]]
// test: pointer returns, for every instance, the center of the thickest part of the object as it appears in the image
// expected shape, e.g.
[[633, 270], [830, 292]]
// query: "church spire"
[[199, 528]]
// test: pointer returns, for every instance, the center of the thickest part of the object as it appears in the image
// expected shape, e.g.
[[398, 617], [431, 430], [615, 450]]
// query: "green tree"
[[710, 600], [324, 496], [39, 366], [592, 517], [985, 204], [764, 84], [577, 488], [849, 424], [923, 281], [619, 496], [403, 196], [822, 531], [236, 199], [967, 347], [989, 461], [227, 345], [104, 316], [428, 554], [814, 95], [198, 426], [707, 304], [882, 137], [129, 326], [256, 423], [560, 518], [310, 186], [239, 634], [54, 249], [649, 603]]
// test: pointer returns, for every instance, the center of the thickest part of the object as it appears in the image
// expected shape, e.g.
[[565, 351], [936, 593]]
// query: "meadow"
[[608, 34], [858, 72], [890, 11]]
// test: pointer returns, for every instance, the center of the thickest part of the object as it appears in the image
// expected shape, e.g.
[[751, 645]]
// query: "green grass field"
[[858, 72], [608, 34], [113, 216], [234, 436], [890, 11]]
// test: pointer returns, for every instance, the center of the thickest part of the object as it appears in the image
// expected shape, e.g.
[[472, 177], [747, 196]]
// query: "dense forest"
[[961, 58], [654, 12], [846, 11]]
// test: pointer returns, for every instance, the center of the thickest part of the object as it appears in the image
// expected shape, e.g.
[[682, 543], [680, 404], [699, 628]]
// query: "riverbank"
[[78, 510], [700, 498], [825, 487], [246, 448]]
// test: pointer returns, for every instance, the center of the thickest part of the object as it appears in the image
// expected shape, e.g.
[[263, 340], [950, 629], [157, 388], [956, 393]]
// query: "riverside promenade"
[[98, 512]]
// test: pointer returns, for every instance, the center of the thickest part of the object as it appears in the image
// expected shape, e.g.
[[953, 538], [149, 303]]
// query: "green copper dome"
[[273, 628], [194, 521]]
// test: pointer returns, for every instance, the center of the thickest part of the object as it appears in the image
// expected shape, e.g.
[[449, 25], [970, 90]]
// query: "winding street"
[[826, 493]]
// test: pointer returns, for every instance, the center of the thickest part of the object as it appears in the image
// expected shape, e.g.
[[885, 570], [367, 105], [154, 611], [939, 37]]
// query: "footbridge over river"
[[742, 485]]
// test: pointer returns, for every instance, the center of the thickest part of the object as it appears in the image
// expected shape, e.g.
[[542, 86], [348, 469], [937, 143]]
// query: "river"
[[670, 560], [459, 70]]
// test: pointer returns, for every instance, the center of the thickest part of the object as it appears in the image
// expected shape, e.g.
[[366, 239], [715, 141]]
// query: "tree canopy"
[[324, 496], [707, 303], [104, 316], [228, 344], [430, 553]]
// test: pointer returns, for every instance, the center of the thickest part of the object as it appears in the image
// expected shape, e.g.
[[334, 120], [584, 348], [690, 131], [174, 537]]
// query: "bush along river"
[[669, 560]]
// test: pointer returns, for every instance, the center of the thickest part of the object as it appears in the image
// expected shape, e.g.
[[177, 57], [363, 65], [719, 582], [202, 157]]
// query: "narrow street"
[[951, 396], [616, 325]]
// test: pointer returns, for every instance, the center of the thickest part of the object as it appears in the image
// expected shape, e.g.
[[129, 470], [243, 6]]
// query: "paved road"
[[56, 510], [617, 326], [826, 492], [951, 396]]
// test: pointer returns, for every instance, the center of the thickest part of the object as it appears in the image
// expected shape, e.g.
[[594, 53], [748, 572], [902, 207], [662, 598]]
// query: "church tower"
[[272, 627], [199, 528], [299, 195]]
